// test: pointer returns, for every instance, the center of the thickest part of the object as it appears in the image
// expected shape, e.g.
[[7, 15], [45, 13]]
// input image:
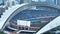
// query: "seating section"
[[35, 15], [37, 18]]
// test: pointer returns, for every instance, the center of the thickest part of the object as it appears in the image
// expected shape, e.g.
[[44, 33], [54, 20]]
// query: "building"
[[38, 12]]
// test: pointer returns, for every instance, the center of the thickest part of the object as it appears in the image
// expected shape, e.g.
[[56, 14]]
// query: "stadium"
[[30, 16]]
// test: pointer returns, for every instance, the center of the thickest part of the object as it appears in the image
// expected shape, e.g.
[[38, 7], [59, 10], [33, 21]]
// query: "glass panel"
[[34, 0], [58, 2], [1, 2], [46, 1], [19, 1]]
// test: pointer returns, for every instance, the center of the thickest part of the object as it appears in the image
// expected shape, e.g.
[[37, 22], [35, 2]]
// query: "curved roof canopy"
[[26, 6]]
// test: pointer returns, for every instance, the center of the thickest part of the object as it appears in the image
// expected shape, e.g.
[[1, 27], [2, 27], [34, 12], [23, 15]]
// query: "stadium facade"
[[41, 16]]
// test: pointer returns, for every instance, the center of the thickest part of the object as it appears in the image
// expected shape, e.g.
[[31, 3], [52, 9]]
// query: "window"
[[42, 0], [19, 1], [35, 0], [1, 2]]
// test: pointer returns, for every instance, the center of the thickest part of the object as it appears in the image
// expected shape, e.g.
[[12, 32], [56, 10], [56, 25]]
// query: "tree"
[[2, 32]]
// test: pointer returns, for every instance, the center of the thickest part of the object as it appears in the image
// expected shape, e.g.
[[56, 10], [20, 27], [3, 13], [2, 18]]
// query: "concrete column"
[[27, 1], [58, 2], [12, 2], [9, 3]]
